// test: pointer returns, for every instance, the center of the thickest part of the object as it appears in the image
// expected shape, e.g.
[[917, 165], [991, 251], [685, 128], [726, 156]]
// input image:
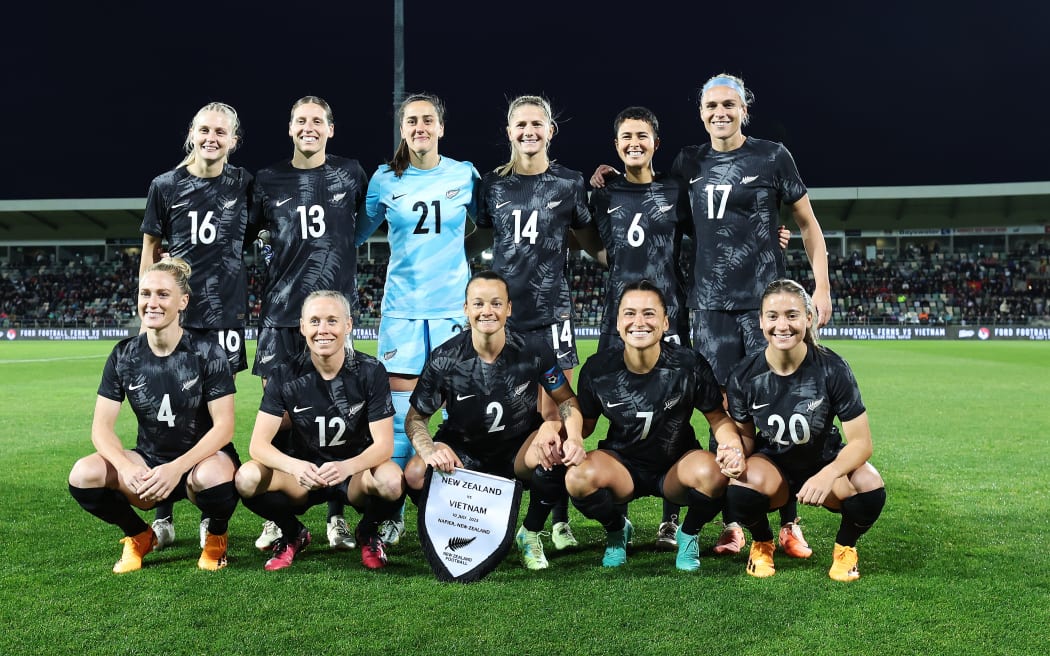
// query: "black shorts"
[[497, 464], [339, 492], [179, 492], [562, 338], [232, 342], [276, 345], [795, 475], [724, 338], [648, 482]]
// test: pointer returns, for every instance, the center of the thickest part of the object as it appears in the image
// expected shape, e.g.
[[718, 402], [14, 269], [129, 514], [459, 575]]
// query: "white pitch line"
[[78, 357]]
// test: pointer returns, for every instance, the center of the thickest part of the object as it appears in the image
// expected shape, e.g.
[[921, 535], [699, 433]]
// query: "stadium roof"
[[838, 208]]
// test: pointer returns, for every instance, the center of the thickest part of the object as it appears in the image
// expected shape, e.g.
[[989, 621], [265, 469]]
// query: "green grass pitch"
[[957, 564]]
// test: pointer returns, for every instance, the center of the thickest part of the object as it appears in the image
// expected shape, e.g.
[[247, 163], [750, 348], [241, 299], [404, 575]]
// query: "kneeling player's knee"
[[579, 480], [248, 479], [415, 473], [88, 472], [389, 481]]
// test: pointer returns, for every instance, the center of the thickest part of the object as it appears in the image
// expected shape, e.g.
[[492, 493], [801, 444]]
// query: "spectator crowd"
[[919, 286]]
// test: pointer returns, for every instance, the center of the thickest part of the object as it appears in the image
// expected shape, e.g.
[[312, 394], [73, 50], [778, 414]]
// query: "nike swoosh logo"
[[695, 179], [460, 397], [755, 406], [298, 409], [132, 388], [613, 209], [179, 204], [565, 354], [281, 202], [613, 405], [748, 178], [396, 196], [506, 202]]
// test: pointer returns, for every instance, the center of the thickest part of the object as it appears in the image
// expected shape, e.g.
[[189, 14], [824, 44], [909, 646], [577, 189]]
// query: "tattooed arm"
[[439, 456]]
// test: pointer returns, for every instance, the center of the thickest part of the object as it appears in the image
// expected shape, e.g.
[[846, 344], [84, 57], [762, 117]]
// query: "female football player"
[[648, 391], [785, 400], [338, 401], [180, 387], [488, 379]]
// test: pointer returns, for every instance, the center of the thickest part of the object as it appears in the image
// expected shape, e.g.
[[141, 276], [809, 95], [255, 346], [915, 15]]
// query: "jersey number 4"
[[164, 412]]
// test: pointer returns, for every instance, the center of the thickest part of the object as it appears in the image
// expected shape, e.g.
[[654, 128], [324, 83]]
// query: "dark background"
[[98, 96]]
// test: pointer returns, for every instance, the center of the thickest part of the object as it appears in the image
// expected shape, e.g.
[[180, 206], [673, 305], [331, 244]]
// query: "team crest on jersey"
[[814, 404], [451, 193], [666, 208], [554, 203], [389, 354], [672, 402], [354, 408], [520, 389], [228, 204], [190, 383], [748, 178], [338, 197]]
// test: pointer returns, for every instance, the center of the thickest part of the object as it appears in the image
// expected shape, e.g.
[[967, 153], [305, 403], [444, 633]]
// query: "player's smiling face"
[[784, 320], [160, 300], [530, 130], [722, 112], [325, 326], [487, 306], [310, 129], [421, 127], [213, 137], [641, 319], [636, 143]]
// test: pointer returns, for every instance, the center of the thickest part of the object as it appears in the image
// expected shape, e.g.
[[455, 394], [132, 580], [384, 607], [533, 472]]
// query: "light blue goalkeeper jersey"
[[426, 213]]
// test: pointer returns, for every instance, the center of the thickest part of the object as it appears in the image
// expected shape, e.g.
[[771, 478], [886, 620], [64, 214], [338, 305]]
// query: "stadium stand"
[[73, 263]]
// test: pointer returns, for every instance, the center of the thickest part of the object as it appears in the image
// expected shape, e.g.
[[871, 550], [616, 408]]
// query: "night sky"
[[98, 97]]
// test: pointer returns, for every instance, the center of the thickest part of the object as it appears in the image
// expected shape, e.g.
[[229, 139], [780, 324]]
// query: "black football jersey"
[[641, 227], [203, 221], [491, 407], [311, 215], [168, 394], [794, 415], [735, 199], [329, 417], [530, 216], [648, 413]]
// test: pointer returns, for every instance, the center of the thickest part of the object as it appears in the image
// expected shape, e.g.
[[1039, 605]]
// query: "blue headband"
[[725, 82]]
